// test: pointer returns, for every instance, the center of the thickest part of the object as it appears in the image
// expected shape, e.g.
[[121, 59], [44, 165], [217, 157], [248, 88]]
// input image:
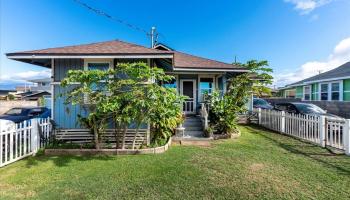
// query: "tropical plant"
[[125, 95], [225, 110]]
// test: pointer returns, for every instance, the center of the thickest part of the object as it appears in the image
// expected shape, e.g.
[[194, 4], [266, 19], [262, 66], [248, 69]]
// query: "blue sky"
[[298, 37]]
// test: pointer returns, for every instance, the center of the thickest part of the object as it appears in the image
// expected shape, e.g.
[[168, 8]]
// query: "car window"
[[14, 111], [36, 111], [281, 107], [260, 102], [291, 109], [309, 109]]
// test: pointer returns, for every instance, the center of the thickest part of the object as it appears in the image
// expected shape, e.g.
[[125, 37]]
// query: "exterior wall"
[[346, 90], [299, 92], [65, 116]]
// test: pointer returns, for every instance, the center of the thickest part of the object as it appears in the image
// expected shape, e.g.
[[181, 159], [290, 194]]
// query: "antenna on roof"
[[154, 37]]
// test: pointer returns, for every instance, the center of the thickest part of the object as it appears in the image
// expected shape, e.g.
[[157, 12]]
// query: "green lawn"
[[258, 165]]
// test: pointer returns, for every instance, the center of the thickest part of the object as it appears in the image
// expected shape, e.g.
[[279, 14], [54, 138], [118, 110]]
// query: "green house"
[[333, 85]]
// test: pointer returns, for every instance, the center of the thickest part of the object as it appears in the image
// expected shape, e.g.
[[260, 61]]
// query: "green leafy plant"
[[125, 95], [224, 110]]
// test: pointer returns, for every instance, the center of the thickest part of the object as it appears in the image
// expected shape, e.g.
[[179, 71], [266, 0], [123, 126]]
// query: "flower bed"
[[83, 152]]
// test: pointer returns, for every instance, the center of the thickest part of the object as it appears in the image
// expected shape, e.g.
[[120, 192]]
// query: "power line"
[[102, 13]]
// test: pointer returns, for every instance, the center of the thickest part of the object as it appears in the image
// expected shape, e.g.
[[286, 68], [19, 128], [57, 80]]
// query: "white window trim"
[[194, 93], [86, 63], [329, 92], [310, 92], [199, 84]]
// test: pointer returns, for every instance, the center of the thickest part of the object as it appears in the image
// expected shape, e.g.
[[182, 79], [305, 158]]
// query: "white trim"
[[89, 56], [210, 70], [199, 84], [329, 90], [52, 88], [310, 92], [87, 61], [194, 93]]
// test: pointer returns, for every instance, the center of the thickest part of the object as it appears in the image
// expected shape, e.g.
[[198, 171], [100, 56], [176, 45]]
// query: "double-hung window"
[[97, 65], [335, 91], [331, 91], [324, 91], [307, 93]]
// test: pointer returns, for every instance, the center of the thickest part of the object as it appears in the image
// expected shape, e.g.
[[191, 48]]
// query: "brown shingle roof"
[[117, 47], [183, 60], [100, 48]]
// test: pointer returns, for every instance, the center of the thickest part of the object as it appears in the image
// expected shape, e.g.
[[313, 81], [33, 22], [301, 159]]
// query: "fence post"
[[283, 122], [323, 129], [346, 136], [259, 116], [35, 136]]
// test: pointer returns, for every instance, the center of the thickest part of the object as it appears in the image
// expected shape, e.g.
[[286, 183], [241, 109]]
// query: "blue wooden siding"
[[62, 66], [65, 115]]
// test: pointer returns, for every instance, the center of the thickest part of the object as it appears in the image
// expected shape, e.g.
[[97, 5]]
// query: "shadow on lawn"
[[62, 161], [297, 146]]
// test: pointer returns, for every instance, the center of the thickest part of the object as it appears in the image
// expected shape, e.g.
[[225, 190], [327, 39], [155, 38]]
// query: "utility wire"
[[102, 13]]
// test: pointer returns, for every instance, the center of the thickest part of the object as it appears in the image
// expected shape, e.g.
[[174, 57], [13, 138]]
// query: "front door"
[[188, 88]]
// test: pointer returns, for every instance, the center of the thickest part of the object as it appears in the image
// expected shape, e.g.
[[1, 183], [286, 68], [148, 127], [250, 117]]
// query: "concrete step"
[[193, 133], [193, 119], [193, 128], [199, 124]]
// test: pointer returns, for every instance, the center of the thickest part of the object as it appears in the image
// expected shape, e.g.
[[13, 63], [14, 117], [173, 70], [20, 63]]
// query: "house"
[[194, 75], [333, 85], [40, 85]]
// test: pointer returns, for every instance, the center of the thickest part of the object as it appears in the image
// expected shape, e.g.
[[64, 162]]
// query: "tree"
[[124, 95], [224, 110]]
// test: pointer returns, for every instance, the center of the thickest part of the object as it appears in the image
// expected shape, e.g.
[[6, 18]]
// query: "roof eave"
[[209, 69], [50, 56]]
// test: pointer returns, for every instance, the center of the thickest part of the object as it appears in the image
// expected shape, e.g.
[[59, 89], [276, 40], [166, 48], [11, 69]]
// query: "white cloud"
[[307, 6], [23, 77], [339, 56]]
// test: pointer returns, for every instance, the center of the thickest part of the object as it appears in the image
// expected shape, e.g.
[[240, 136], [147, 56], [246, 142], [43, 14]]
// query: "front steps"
[[193, 133]]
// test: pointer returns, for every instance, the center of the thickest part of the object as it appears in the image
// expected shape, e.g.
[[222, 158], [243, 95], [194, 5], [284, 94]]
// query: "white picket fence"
[[23, 139], [321, 130]]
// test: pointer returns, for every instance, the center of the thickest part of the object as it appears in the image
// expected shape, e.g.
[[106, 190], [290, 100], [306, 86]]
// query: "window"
[[331, 91], [324, 91], [170, 84], [335, 91], [206, 87], [98, 66], [307, 93]]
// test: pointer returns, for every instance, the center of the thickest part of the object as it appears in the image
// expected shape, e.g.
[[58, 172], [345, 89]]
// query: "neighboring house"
[[333, 85], [40, 85], [194, 75]]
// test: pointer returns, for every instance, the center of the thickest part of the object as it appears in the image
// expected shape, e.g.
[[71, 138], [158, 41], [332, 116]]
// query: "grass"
[[258, 165]]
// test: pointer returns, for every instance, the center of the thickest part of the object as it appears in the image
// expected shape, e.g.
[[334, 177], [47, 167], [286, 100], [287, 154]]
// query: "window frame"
[[86, 68], [330, 92], [200, 96], [304, 93]]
